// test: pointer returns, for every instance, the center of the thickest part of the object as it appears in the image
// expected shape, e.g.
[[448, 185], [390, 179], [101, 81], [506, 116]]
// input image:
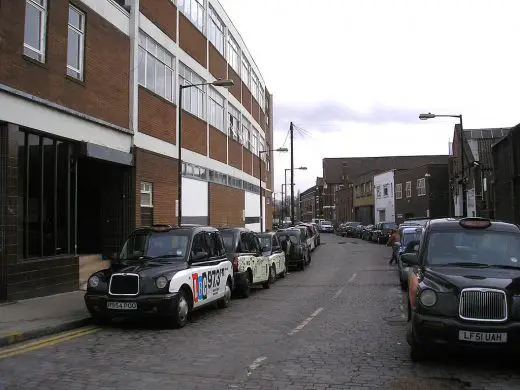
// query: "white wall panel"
[[252, 204], [194, 201]]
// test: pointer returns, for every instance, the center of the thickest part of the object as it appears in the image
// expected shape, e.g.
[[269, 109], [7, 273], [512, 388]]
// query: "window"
[[421, 187], [369, 188], [76, 43], [194, 11], [378, 192], [146, 194], [35, 29], [233, 53], [408, 189], [399, 191], [216, 30], [155, 67], [246, 75], [246, 127], [253, 142], [385, 190], [261, 100], [254, 86], [234, 123], [193, 98], [216, 109]]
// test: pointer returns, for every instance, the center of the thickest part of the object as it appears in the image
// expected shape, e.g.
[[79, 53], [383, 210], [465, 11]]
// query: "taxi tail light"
[[478, 223], [235, 264]]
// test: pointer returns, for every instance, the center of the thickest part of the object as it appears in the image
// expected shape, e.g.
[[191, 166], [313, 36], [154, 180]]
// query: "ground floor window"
[[146, 204], [44, 206]]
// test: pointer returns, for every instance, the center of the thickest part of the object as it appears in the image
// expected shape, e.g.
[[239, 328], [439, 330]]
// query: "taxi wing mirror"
[[416, 248], [410, 259]]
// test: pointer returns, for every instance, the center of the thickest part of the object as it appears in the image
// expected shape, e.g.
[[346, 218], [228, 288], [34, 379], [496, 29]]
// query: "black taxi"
[[464, 289]]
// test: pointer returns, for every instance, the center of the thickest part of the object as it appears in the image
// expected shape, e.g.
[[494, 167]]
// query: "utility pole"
[[292, 173], [463, 170]]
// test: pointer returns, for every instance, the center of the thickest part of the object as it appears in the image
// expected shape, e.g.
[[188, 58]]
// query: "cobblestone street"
[[339, 324]]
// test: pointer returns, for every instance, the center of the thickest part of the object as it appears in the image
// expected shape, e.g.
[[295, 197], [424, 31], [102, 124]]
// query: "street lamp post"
[[217, 83], [260, 182], [292, 184], [462, 139]]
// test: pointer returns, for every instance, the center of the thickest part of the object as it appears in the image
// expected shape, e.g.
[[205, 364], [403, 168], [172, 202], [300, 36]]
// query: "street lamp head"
[[228, 83], [424, 117], [281, 150], [302, 168]]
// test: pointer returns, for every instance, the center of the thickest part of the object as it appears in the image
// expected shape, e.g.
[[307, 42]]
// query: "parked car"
[[409, 238], [350, 229], [382, 232], [163, 271], [367, 232], [317, 231], [294, 244], [358, 231], [250, 266], [273, 251], [326, 227], [464, 287], [311, 238]]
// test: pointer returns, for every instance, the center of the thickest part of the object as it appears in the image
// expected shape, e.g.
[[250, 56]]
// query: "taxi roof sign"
[[475, 222]]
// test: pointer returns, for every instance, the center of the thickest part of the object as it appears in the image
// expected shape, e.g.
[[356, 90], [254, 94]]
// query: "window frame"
[[408, 189], [216, 25], [29, 51], [71, 71], [193, 79], [245, 132], [387, 188], [245, 67], [186, 7], [421, 187], [149, 191], [232, 110], [399, 191], [378, 192], [233, 50], [213, 95]]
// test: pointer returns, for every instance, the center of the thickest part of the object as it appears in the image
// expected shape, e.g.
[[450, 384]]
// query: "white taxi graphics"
[[250, 265], [273, 251], [163, 271]]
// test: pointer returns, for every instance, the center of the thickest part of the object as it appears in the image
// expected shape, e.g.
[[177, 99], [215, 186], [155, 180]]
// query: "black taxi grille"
[[124, 284], [483, 304]]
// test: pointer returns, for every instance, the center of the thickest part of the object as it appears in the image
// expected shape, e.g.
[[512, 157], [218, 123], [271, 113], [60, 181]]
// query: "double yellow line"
[[47, 342]]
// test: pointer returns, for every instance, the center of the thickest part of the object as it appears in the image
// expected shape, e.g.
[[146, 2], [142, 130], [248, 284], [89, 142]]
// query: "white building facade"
[[384, 199]]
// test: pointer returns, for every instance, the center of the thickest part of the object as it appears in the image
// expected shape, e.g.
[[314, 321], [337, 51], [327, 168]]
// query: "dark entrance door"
[[3, 211]]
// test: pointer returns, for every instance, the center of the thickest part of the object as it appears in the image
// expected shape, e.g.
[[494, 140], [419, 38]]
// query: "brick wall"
[[161, 171], [247, 161], [217, 63], [217, 145], [192, 41], [163, 14], [246, 98], [157, 116], [235, 154], [104, 92], [194, 134], [235, 89], [225, 206]]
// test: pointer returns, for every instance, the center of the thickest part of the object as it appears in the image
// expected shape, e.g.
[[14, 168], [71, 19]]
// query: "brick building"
[[307, 203], [89, 129]]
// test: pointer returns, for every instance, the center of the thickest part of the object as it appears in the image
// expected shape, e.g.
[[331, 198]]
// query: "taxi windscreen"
[[265, 241], [171, 244], [477, 247], [229, 240]]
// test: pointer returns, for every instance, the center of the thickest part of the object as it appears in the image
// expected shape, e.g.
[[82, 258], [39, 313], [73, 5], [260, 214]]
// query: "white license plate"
[[122, 305], [481, 337]]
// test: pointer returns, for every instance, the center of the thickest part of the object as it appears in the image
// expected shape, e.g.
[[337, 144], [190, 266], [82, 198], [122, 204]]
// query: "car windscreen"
[[473, 247], [229, 240], [293, 236], [166, 245], [388, 225], [265, 241]]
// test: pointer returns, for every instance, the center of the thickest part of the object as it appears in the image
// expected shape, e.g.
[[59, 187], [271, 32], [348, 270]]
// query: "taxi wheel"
[[180, 316], [246, 289], [417, 352], [226, 299]]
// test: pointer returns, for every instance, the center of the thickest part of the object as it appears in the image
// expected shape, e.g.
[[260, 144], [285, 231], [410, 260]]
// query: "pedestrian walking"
[[394, 241]]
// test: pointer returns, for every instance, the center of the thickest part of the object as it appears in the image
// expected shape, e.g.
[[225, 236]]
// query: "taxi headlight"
[[161, 282], [428, 298], [94, 281]]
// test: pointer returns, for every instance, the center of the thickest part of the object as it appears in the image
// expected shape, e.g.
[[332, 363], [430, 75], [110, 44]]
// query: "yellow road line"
[[48, 341]]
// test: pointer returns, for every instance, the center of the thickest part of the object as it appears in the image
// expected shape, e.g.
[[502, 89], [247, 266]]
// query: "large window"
[[44, 206], [246, 128], [76, 43], [156, 67], [216, 109], [233, 54], [194, 11], [192, 98], [234, 123], [253, 141], [261, 98], [408, 189], [35, 29], [246, 75], [216, 30]]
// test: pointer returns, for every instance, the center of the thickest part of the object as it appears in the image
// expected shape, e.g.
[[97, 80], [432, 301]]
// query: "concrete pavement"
[[339, 324]]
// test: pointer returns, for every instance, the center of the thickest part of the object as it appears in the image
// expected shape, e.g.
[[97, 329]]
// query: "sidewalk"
[[38, 317]]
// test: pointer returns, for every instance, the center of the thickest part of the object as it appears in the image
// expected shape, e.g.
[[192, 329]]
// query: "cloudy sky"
[[354, 74]]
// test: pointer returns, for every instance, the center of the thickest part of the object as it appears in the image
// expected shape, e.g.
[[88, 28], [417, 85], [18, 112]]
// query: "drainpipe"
[[133, 5]]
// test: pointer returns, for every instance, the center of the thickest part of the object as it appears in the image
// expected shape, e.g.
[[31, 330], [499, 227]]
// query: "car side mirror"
[[410, 258], [200, 256]]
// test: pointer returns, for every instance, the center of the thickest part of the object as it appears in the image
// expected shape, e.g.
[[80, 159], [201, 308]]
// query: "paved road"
[[338, 325]]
